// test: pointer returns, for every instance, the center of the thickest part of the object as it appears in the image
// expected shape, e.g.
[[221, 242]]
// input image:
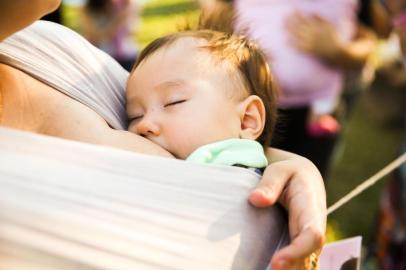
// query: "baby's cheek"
[[187, 135], [186, 146]]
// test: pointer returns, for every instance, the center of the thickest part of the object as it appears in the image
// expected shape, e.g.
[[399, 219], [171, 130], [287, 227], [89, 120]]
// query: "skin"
[[189, 103], [395, 7], [281, 183], [198, 114], [389, 11], [396, 74], [290, 179], [315, 35], [41, 109], [11, 19]]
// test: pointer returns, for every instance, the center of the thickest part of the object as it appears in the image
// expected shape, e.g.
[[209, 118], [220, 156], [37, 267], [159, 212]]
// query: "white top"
[[61, 58], [69, 205]]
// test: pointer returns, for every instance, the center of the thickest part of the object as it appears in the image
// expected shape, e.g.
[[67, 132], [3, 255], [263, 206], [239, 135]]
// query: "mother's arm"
[[17, 14], [296, 183]]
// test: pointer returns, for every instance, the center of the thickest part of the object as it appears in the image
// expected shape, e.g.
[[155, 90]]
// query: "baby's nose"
[[148, 127]]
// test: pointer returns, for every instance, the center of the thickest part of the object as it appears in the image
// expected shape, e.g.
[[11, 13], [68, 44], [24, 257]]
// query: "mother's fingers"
[[307, 242], [274, 180], [298, 186]]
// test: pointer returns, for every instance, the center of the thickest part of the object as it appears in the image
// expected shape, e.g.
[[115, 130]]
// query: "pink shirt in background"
[[122, 44], [303, 78]]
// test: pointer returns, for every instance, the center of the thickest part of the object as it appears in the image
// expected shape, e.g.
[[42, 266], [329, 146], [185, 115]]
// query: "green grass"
[[70, 16], [159, 17], [367, 146], [164, 17], [169, 7]]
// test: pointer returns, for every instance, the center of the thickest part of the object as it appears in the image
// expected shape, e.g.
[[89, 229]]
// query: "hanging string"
[[367, 183]]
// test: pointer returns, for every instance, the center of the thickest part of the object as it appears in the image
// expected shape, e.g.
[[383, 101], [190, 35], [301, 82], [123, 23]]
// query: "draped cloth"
[[61, 58], [70, 205]]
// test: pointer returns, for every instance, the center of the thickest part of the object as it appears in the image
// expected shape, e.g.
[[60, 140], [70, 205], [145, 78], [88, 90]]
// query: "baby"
[[204, 96]]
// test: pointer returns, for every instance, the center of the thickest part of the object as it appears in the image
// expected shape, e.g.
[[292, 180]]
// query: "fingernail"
[[264, 192], [260, 192]]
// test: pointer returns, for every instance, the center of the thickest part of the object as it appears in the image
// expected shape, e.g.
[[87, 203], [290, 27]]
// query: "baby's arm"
[[296, 183], [17, 14]]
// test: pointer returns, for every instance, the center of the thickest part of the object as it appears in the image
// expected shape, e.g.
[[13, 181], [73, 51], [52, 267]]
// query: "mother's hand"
[[297, 184]]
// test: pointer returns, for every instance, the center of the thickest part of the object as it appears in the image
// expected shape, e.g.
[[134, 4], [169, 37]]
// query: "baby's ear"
[[252, 116]]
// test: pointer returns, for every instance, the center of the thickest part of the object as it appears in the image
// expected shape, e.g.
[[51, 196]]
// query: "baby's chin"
[[179, 154]]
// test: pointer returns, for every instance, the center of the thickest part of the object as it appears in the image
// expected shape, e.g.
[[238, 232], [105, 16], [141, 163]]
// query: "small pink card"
[[341, 255]]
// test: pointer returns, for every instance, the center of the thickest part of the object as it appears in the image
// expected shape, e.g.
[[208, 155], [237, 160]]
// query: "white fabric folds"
[[70, 205], [61, 58]]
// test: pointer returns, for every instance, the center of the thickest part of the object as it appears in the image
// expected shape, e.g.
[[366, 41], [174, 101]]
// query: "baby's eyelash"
[[175, 102], [135, 118]]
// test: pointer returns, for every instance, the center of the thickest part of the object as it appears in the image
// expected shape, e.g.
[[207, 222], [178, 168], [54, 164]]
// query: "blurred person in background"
[[395, 70], [309, 45], [372, 23], [372, 14], [111, 25], [389, 245]]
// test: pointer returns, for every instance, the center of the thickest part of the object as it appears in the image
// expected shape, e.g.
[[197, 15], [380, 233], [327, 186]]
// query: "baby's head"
[[197, 87]]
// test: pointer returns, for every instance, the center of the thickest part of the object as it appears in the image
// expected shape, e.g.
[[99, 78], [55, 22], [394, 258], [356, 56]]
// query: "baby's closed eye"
[[175, 102], [135, 118]]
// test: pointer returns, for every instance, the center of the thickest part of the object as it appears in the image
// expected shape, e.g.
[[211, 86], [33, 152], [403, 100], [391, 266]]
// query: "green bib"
[[231, 152]]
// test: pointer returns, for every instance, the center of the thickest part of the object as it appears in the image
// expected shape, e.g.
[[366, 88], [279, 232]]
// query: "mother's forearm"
[[275, 155]]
